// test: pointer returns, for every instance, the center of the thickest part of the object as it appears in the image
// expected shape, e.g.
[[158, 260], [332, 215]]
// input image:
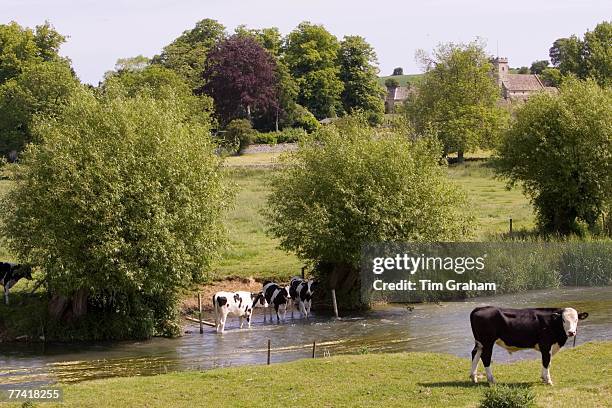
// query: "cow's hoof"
[[474, 378], [547, 381]]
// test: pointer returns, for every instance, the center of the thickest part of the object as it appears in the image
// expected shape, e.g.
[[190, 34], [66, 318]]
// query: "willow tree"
[[349, 185], [121, 207]]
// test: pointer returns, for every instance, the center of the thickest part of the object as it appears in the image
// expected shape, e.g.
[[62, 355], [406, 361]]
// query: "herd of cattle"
[[298, 294], [543, 329]]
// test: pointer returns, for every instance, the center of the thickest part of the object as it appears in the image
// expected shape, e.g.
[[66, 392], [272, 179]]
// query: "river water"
[[436, 327]]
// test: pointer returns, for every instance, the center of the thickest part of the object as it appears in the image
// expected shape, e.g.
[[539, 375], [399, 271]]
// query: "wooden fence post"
[[333, 291], [200, 312], [269, 344], [510, 226], [314, 348]]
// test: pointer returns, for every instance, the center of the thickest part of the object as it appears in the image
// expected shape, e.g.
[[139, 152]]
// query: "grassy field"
[[582, 376], [252, 253], [402, 79]]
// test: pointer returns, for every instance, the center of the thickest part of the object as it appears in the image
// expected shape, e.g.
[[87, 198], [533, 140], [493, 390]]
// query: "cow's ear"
[[556, 315], [583, 315]]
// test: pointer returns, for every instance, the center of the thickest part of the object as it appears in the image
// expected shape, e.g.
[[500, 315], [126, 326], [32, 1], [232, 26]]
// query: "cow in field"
[[277, 297], [301, 291], [239, 304], [10, 274], [543, 329]]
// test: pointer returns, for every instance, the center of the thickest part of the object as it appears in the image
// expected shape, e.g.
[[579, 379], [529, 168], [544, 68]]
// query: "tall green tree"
[[559, 148], [22, 47], [187, 53], [457, 99], [34, 79], [311, 53], [566, 55], [586, 58], [359, 74], [40, 89], [597, 53], [335, 195], [538, 66], [122, 206]]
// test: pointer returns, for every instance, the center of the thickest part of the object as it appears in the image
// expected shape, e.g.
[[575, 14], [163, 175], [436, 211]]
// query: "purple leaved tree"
[[240, 76]]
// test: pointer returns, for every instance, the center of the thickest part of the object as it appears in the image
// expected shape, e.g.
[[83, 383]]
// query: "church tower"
[[501, 69]]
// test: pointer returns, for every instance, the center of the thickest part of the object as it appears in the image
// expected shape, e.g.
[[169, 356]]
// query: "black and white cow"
[[301, 291], [10, 274], [239, 304], [277, 297], [543, 329]]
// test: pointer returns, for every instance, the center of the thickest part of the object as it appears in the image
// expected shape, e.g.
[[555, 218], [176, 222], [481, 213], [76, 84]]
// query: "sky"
[[100, 32]]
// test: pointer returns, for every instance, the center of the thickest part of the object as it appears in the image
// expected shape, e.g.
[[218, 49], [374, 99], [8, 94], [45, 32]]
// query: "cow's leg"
[[487, 352], [248, 319], [545, 350], [222, 320], [6, 293], [302, 309], [241, 322], [476, 352]]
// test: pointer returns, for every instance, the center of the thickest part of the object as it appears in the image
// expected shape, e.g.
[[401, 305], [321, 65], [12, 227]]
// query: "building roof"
[[522, 82]]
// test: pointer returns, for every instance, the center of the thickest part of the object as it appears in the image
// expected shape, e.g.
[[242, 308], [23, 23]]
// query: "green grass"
[[252, 252], [582, 376], [402, 79], [492, 203]]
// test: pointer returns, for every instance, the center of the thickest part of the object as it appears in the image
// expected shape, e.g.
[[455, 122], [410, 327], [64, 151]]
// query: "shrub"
[[349, 184], [503, 396], [287, 135], [123, 200], [302, 118], [559, 150], [240, 134]]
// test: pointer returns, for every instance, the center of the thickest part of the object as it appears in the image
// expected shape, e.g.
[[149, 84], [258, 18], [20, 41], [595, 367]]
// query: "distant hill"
[[402, 79]]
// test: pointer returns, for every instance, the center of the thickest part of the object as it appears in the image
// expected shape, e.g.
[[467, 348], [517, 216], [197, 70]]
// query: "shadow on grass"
[[470, 384]]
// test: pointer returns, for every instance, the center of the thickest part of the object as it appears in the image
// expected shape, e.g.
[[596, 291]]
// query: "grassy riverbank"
[[582, 376]]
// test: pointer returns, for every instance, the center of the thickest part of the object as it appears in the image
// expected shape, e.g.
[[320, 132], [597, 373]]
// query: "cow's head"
[[570, 317], [259, 300]]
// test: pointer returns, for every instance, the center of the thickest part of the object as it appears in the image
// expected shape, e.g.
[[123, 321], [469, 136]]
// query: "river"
[[435, 327]]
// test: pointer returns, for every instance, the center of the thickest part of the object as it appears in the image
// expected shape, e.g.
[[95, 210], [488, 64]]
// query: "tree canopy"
[[457, 99], [586, 58], [311, 53], [124, 201], [187, 53], [559, 148], [333, 196], [241, 77], [359, 75]]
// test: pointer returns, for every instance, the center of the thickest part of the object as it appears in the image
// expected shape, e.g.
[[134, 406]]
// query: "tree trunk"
[[79, 302], [460, 158]]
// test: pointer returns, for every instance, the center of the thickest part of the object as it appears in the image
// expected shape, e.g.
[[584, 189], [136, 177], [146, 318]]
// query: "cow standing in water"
[[278, 298], [239, 304], [10, 274], [543, 329], [301, 291]]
